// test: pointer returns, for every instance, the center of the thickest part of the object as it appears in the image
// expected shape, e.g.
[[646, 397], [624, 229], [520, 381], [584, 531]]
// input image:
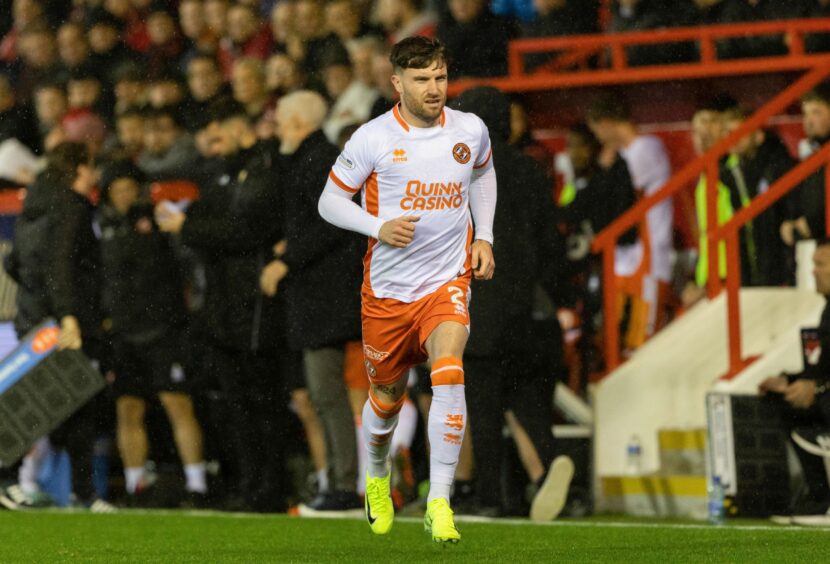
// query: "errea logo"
[[398, 156]]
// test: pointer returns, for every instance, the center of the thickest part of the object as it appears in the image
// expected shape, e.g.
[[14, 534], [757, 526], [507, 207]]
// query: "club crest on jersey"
[[398, 156], [461, 153]]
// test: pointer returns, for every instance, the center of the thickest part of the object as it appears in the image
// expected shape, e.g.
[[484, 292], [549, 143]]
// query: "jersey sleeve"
[[355, 163], [485, 152]]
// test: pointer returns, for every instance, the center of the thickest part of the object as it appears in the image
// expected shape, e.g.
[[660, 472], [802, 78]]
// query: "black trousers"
[[817, 416], [77, 434], [257, 419], [522, 383]]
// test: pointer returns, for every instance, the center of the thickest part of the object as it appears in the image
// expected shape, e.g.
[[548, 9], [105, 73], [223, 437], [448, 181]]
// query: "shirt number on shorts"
[[458, 299]]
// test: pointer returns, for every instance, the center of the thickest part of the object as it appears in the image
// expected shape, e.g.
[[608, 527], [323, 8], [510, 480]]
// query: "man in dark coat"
[[234, 228], [511, 360], [806, 204], [55, 262], [322, 287], [757, 161], [805, 401]]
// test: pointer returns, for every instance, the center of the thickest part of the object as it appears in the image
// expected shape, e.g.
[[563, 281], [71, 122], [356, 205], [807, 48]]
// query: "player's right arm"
[[350, 171]]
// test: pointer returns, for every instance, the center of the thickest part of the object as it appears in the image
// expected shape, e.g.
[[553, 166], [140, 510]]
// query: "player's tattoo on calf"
[[386, 389]]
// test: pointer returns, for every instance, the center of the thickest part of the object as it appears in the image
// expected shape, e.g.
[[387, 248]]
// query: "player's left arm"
[[483, 193]]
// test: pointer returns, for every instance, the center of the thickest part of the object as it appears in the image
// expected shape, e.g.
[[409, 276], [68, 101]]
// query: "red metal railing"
[[570, 51], [729, 232], [707, 164]]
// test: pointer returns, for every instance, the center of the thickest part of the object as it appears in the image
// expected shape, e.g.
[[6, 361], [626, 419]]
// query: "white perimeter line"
[[476, 519]]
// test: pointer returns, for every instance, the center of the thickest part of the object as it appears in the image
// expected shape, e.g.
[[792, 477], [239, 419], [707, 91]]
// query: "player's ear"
[[396, 82]]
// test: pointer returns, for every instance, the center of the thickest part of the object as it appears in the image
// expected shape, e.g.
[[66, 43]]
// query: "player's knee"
[[385, 405], [302, 405], [179, 407], [130, 410]]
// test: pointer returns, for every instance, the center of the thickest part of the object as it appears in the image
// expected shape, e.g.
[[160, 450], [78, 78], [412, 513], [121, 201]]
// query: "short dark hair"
[[718, 103], [823, 241], [50, 84], [587, 136], [609, 107], [821, 93], [417, 53], [62, 162]]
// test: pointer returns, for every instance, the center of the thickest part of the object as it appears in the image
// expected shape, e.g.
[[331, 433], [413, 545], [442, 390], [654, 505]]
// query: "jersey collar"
[[402, 122]]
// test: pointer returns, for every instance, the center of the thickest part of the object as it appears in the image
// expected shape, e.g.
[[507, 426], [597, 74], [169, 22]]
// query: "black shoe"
[[195, 500], [338, 501], [812, 440]]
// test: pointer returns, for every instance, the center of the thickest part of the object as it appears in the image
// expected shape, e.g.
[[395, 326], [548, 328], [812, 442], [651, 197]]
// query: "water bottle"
[[634, 457], [716, 507]]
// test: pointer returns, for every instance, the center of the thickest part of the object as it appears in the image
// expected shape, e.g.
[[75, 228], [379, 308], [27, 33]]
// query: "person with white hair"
[[319, 272]]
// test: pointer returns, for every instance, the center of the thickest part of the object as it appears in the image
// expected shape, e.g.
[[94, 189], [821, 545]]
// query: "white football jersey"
[[424, 172]]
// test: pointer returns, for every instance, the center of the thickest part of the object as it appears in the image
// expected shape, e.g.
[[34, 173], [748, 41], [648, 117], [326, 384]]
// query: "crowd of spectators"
[[220, 315]]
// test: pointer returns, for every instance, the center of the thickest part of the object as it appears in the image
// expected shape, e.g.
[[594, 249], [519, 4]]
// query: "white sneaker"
[[550, 499], [813, 441], [811, 520], [101, 506]]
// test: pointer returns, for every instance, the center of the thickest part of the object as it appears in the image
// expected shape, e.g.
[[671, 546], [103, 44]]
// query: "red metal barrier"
[[606, 241], [729, 232], [560, 73]]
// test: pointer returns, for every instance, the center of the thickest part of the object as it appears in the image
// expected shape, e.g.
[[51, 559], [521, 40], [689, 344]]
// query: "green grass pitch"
[[213, 537]]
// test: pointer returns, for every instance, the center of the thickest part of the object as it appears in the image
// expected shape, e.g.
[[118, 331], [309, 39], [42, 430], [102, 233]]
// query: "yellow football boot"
[[438, 522], [378, 502]]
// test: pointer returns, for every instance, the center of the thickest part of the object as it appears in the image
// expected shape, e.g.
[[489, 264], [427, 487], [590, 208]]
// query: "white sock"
[[196, 476], [322, 480], [407, 426], [133, 477], [27, 475], [447, 420], [362, 455], [379, 421]]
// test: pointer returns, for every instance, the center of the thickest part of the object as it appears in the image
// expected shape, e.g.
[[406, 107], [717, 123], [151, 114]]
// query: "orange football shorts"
[[394, 332]]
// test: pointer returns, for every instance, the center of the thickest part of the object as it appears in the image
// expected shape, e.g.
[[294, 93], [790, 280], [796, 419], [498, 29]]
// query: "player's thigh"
[[447, 339], [444, 320]]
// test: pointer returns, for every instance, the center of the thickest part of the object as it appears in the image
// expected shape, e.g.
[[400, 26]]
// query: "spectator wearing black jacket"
[[479, 38], [736, 11], [756, 162], [143, 294], [234, 227], [806, 204], [805, 401], [589, 201], [322, 287], [72, 276], [511, 360], [641, 15], [109, 53]]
